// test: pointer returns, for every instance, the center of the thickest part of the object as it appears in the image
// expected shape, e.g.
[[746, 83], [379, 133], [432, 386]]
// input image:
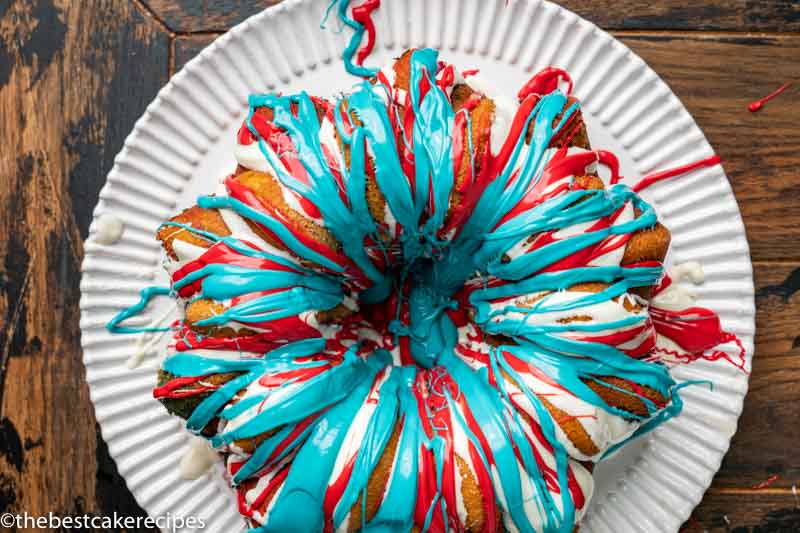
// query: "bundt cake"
[[423, 306]]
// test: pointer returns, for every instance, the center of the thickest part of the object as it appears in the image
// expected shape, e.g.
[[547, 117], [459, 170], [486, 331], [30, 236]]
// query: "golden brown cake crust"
[[208, 220]]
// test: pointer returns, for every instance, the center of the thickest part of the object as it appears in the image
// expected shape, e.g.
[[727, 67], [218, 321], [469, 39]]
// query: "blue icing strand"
[[376, 128], [502, 194], [553, 519], [487, 407], [260, 456], [272, 224], [307, 398], [244, 248], [569, 371], [305, 485], [431, 330], [433, 131], [146, 295], [223, 281], [355, 40], [468, 253], [556, 214], [437, 447], [350, 224], [396, 512], [671, 411], [274, 306], [376, 436]]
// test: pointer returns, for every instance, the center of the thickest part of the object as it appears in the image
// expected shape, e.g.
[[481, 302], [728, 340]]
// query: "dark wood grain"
[[765, 444], [740, 15], [716, 76], [764, 511], [187, 47], [185, 16], [74, 76], [737, 15]]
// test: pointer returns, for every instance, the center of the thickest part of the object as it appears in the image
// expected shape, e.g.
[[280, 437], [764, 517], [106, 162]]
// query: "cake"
[[422, 306]]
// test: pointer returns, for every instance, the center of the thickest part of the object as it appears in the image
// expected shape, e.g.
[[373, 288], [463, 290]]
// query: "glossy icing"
[[359, 19], [198, 460], [466, 334], [761, 102], [647, 181], [108, 229]]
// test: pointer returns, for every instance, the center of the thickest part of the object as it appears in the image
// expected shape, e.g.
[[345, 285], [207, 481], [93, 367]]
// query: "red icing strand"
[[767, 482], [174, 388], [245, 195], [677, 171], [758, 104], [545, 82], [363, 14]]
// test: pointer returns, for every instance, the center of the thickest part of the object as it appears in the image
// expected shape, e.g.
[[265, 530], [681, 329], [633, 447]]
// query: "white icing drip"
[[186, 251], [147, 342], [675, 297], [388, 71], [389, 219], [461, 449], [263, 482], [327, 135], [198, 460], [251, 157], [227, 355], [601, 312], [108, 229], [354, 438]]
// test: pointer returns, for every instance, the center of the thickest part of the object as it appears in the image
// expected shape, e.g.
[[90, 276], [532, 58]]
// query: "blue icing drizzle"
[[376, 436], [271, 223], [397, 509], [355, 40], [146, 295], [306, 483], [350, 224], [376, 128], [433, 130]]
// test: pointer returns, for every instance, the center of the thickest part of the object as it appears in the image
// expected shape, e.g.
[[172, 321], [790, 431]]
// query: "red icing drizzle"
[[696, 330], [363, 14], [677, 171], [545, 82], [758, 104]]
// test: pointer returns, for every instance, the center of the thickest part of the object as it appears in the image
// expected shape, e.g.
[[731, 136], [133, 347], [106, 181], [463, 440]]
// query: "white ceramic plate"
[[184, 143]]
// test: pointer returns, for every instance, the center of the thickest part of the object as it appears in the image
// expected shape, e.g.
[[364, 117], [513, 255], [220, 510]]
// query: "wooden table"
[[74, 76]]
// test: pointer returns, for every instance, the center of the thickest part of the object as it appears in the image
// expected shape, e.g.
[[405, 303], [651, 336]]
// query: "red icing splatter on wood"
[[758, 104], [767, 482]]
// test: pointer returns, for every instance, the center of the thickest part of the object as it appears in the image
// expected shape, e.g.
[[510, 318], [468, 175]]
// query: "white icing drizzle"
[[675, 297], [198, 460], [147, 342], [108, 229]]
